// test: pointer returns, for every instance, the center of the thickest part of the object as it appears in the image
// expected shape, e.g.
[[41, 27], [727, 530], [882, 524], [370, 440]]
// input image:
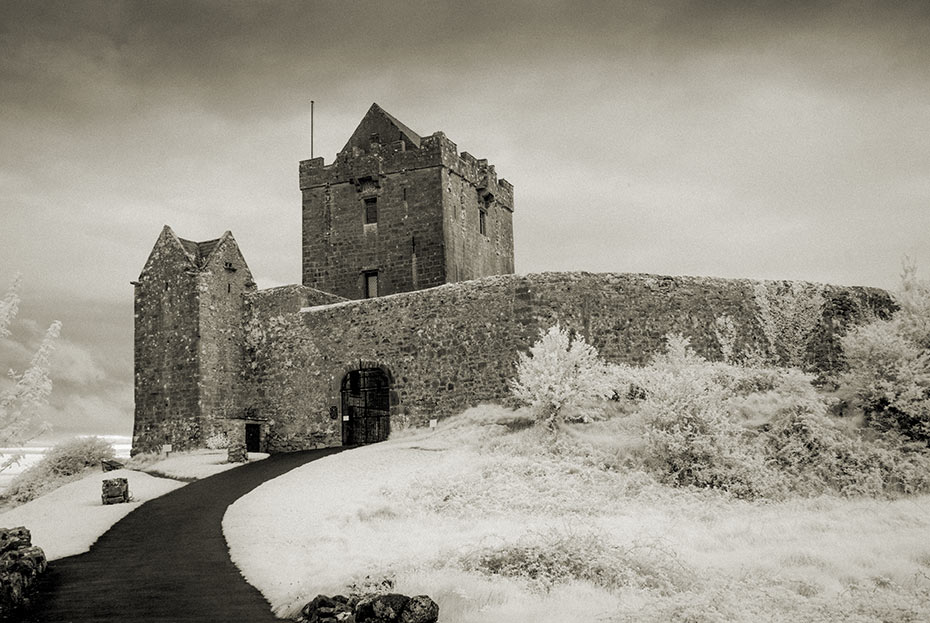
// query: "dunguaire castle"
[[408, 308]]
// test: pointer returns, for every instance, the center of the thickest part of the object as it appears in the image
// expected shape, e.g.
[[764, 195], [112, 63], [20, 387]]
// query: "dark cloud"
[[754, 139]]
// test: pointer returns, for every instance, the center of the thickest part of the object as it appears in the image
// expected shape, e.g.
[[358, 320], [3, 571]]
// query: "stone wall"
[[221, 284], [405, 245], [471, 254], [166, 343], [453, 346], [21, 565], [189, 343]]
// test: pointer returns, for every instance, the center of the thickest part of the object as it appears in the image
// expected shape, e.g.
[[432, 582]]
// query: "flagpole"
[[311, 128]]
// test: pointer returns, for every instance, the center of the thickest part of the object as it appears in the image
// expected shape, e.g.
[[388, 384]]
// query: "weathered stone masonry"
[[428, 232], [439, 216], [453, 346], [188, 340]]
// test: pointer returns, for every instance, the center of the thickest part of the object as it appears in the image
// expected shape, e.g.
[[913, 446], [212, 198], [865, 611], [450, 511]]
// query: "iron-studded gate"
[[366, 406]]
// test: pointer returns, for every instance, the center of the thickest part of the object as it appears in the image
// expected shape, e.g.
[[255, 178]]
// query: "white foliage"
[[559, 371], [218, 441], [20, 403], [9, 306], [788, 319], [725, 332]]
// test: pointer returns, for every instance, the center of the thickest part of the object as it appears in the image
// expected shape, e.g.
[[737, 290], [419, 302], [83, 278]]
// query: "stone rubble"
[[370, 608], [21, 563]]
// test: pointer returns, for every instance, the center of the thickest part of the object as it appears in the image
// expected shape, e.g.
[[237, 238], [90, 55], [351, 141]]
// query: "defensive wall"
[[453, 346]]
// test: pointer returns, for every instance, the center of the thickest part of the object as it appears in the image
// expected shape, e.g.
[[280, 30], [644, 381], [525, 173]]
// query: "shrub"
[[888, 377], [217, 441], [559, 371], [559, 557], [692, 436], [60, 465], [758, 432]]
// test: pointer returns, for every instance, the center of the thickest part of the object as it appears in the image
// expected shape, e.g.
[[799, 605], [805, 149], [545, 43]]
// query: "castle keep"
[[396, 212], [408, 309]]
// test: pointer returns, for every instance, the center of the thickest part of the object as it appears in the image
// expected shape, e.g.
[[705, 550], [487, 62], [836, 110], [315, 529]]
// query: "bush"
[[693, 436], [218, 441], [758, 432], [60, 465], [889, 365], [559, 371], [559, 557]]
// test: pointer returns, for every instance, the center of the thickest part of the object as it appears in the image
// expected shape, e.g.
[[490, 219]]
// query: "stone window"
[[483, 222], [371, 284], [371, 210]]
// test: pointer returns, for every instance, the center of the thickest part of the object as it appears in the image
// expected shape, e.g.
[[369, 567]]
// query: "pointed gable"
[[200, 252], [377, 126], [224, 252], [167, 246]]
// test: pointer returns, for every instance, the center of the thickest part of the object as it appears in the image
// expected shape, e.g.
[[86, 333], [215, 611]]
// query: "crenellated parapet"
[[355, 163]]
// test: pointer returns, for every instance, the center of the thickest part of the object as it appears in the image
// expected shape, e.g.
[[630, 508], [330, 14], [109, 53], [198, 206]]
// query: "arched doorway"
[[366, 406]]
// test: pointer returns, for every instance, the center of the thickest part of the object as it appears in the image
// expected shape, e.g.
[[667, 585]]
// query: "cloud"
[[753, 139]]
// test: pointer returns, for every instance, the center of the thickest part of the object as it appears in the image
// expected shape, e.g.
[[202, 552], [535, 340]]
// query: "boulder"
[[325, 609], [374, 608], [420, 609], [14, 538]]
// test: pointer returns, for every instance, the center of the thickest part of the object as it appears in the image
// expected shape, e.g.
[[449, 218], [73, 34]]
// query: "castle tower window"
[[371, 210], [371, 284], [483, 222]]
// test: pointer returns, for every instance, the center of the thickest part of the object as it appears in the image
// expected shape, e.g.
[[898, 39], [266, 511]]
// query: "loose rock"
[[370, 608]]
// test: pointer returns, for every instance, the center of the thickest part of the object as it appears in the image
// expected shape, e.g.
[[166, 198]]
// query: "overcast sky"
[[672, 137]]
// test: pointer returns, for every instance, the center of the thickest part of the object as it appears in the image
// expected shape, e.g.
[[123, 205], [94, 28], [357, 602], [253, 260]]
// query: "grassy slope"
[[501, 525]]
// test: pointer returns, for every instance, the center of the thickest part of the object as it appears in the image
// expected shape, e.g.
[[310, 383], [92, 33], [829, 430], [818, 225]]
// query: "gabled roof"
[[386, 126], [200, 252]]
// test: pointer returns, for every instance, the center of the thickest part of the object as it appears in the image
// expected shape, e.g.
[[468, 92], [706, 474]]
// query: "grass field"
[[497, 524]]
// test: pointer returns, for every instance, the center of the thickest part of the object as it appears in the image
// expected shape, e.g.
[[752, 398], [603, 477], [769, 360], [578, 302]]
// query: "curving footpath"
[[167, 560]]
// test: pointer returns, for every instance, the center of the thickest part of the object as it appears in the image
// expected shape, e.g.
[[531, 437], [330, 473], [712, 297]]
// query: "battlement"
[[391, 147]]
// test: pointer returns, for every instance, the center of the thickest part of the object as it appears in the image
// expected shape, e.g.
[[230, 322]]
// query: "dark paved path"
[[167, 560]]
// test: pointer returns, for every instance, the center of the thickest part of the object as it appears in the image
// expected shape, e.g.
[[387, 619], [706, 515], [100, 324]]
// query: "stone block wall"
[[428, 197], [405, 245], [189, 353], [453, 346], [469, 253], [221, 286], [166, 348]]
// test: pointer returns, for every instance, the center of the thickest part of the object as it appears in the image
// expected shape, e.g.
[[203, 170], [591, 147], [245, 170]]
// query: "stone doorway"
[[253, 437], [366, 406]]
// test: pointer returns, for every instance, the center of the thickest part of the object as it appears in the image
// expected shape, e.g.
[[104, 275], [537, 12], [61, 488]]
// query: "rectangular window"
[[371, 210], [371, 284], [483, 222]]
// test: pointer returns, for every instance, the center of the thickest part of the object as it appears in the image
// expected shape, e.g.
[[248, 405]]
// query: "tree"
[[559, 371], [19, 404], [889, 363]]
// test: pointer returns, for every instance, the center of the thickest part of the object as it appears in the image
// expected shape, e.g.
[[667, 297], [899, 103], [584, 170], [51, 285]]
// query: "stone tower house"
[[188, 340], [298, 366], [398, 212]]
